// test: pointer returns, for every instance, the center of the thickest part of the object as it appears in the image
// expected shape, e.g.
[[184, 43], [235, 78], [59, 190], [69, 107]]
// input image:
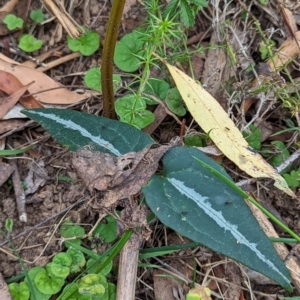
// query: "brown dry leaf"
[[214, 120], [117, 177], [5, 171], [53, 92], [9, 6], [7, 125], [5, 293], [7, 103], [287, 51], [69, 24], [10, 84], [19, 8]]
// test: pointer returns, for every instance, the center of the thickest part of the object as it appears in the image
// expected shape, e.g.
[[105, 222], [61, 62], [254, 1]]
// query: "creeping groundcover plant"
[[191, 183]]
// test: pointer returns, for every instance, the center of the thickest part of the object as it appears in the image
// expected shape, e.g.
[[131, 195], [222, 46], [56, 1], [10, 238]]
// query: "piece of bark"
[[118, 177], [19, 192], [4, 291], [5, 171]]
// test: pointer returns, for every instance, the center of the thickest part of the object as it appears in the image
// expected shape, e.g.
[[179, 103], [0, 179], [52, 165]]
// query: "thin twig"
[[19, 192]]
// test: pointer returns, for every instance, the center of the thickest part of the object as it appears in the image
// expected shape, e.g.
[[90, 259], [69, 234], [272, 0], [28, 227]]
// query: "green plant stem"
[[107, 58]]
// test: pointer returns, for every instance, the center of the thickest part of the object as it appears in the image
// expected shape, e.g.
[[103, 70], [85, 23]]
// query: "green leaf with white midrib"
[[198, 205], [76, 130]]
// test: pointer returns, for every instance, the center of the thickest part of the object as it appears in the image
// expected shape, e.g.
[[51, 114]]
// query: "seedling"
[[19, 291], [107, 232], [69, 230], [60, 266], [13, 22], [194, 141], [37, 16], [29, 43], [158, 88], [129, 51], [93, 285], [92, 79], [175, 103], [293, 178], [265, 50], [277, 153], [87, 44], [50, 280], [253, 137], [47, 283], [132, 110]]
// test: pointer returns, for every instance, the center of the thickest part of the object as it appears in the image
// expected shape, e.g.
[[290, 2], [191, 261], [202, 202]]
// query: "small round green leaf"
[[35, 291], [70, 292], [13, 22], [128, 50], [86, 44], [194, 141], [175, 103], [29, 43], [133, 111], [48, 285], [92, 284], [60, 265], [158, 88], [19, 291], [37, 16], [107, 232], [68, 229], [78, 260], [254, 137], [92, 79]]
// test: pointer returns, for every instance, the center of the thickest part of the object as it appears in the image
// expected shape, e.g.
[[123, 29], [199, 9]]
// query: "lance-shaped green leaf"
[[191, 200], [76, 130]]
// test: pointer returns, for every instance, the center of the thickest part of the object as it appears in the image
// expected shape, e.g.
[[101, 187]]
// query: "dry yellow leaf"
[[211, 117]]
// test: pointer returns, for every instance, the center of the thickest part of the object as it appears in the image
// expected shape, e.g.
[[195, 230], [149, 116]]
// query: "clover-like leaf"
[[29, 43], [132, 110], [86, 44], [92, 79], [60, 266], [37, 16], [13, 22], [175, 103], [92, 284], [19, 291], [78, 260], [156, 87], [70, 292], [48, 285], [129, 51], [107, 232], [32, 273]]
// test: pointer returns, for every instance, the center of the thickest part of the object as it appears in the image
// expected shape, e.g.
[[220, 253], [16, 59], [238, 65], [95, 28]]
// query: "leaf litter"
[[114, 178], [120, 177]]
